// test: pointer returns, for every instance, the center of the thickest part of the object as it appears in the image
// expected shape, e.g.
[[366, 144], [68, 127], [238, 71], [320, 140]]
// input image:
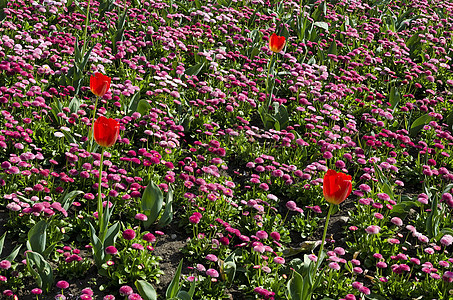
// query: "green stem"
[[92, 125], [86, 28], [267, 82], [324, 235], [100, 207]]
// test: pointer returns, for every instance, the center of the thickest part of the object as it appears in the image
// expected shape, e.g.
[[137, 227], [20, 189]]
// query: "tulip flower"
[[276, 43], [106, 131], [336, 186], [99, 84]]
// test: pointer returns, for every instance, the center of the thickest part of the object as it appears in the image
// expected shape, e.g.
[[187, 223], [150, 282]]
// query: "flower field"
[[226, 149]]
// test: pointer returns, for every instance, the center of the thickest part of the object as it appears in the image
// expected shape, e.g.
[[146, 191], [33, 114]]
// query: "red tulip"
[[336, 186], [106, 131], [99, 84], [276, 43]]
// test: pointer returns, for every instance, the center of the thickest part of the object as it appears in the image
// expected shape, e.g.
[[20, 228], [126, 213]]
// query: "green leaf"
[[37, 237], [68, 198], [333, 48], [134, 103], [49, 250], [374, 296], [383, 182], [295, 286], [283, 31], [2, 241], [98, 247], [447, 188], [311, 61], [413, 40], [74, 104], [118, 34], [449, 119], [228, 269], [402, 209], [70, 138], [167, 216], [281, 115], [174, 287], [146, 290], [322, 25], [85, 59], [194, 70], [419, 123], [191, 291], [44, 274], [143, 107], [266, 118], [2, 9], [183, 295], [151, 202], [394, 97], [111, 235], [77, 53], [444, 232], [14, 253], [198, 4], [254, 52]]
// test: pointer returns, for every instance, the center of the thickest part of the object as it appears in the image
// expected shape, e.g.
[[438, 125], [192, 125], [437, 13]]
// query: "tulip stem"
[[100, 206], [324, 234], [267, 82], [92, 125], [86, 28]]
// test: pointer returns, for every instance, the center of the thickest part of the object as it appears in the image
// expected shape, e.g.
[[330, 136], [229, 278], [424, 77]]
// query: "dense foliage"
[[225, 143]]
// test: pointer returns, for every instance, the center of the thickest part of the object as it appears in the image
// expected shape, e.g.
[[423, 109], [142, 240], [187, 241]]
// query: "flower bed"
[[291, 150]]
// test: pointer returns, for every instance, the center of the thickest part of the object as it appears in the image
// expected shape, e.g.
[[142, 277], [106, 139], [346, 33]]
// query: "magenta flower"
[[373, 229], [275, 235], [129, 234], [212, 273], [134, 296], [334, 266], [211, 257], [447, 276], [62, 284], [126, 290], [262, 235], [397, 221], [339, 251], [88, 291], [259, 248], [137, 246], [5, 264], [149, 237], [365, 187], [313, 257], [201, 268], [224, 241], [446, 240], [36, 291], [291, 205], [141, 217], [279, 260], [111, 250], [364, 290], [194, 219]]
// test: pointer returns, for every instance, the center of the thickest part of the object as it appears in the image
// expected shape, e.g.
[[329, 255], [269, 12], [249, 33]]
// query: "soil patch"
[[169, 249]]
